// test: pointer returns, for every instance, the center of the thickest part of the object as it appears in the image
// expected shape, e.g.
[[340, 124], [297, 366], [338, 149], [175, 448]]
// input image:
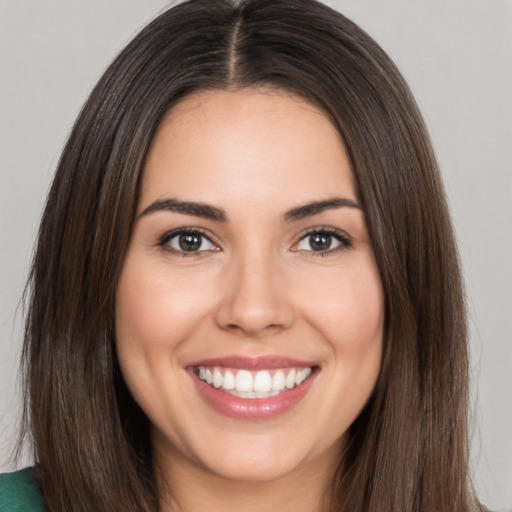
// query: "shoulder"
[[19, 492]]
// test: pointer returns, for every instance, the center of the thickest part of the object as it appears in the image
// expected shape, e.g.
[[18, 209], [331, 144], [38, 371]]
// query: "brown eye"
[[323, 241], [320, 242], [188, 242]]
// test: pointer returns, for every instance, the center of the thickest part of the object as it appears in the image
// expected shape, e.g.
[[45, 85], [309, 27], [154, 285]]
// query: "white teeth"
[[229, 381], [278, 381], [246, 384], [218, 380], [243, 381], [290, 379], [302, 375], [253, 394], [262, 382]]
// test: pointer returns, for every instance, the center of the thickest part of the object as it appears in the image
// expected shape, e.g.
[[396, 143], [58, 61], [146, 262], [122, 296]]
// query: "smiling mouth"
[[243, 383]]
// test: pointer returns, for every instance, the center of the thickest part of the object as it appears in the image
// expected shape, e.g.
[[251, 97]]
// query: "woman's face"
[[249, 269]]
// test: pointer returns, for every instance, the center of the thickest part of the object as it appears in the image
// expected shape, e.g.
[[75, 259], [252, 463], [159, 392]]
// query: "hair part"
[[408, 449]]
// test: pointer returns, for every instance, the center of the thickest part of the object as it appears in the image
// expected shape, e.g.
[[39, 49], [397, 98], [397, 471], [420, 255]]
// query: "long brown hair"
[[408, 449]]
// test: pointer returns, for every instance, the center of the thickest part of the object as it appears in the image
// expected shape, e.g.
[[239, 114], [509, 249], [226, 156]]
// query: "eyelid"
[[345, 241], [164, 240], [340, 235]]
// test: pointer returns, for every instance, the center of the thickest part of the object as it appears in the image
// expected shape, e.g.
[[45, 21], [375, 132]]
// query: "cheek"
[[155, 312], [353, 327], [155, 308], [356, 338], [348, 308]]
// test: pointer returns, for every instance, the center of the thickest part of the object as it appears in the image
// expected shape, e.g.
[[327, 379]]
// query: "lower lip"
[[252, 408]]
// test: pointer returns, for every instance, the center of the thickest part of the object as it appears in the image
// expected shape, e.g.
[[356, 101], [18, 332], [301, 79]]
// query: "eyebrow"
[[316, 207], [203, 210], [210, 212]]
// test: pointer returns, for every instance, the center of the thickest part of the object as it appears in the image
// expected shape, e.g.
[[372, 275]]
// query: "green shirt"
[[19, 493]]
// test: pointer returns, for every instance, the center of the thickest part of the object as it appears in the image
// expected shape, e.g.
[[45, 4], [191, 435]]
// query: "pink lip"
[[254, 363], [252, 409]]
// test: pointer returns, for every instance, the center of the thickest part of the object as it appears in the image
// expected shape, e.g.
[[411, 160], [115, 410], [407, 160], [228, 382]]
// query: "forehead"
[[249, 144]]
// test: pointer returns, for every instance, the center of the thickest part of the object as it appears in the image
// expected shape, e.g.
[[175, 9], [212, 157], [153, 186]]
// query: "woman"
[[246, 293]]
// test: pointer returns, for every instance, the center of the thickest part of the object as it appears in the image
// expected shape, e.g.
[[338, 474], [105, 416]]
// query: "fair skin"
[[253, 276]]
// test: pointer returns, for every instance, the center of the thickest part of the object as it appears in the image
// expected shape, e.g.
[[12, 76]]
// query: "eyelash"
[[167, 237], [340, 236], [344, 240]]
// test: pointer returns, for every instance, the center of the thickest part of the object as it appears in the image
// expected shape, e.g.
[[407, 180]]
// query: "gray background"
[[456, 55]]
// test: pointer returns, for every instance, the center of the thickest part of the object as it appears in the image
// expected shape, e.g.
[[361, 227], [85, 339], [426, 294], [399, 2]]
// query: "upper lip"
[[253, 363]]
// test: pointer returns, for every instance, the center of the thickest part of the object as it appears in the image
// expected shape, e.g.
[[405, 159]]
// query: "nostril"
[[253, 330], [252, 301]]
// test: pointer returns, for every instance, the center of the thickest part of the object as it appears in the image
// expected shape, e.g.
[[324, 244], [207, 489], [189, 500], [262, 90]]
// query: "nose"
[[255, 300]]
